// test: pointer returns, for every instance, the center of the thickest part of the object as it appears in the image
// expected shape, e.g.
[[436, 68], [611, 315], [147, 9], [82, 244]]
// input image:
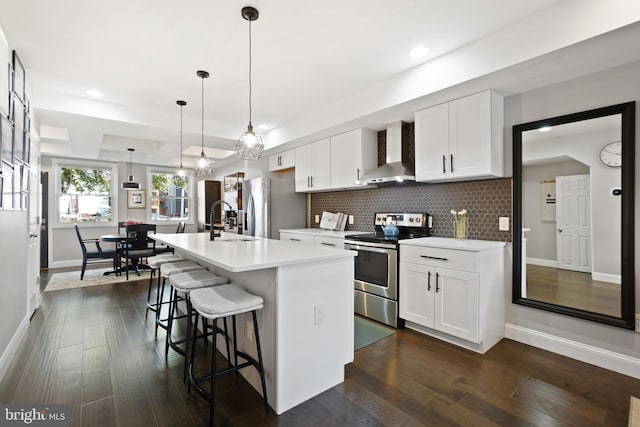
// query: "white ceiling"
[[318, 67]]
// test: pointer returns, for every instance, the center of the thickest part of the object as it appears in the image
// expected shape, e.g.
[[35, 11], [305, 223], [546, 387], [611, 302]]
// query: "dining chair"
[[138, 245], [97, 255], [168, 249]]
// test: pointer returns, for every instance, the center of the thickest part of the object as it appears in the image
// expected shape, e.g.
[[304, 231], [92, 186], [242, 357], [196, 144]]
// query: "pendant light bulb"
[[181, 171], [203, 166], [250, 145]]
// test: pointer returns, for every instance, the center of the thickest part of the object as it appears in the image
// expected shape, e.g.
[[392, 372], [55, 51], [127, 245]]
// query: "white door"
[[573, 222], [456, 303], [33, 255], [432, 143], [321, 165], [303, 168], [346, 159], [417, 289]]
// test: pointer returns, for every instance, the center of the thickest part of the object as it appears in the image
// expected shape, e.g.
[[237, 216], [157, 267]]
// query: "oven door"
[[375, 270]]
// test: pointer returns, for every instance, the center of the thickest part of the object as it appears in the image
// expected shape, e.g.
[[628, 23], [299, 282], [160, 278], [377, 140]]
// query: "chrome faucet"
[[211, 212]]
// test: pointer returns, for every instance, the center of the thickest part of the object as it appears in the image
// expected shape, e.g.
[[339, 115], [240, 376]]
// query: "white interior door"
[[573, 221], [33, 255]]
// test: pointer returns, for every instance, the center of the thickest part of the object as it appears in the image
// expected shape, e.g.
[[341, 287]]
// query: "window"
[[170, 196], [85, 193]]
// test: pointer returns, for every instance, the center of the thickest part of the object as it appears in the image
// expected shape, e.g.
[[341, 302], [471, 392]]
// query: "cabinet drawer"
[[447, 258], [297, 238], [332, 242]]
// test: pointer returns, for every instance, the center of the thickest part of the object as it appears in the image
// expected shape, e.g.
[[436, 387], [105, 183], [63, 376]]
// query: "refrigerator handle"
[[251, 208]]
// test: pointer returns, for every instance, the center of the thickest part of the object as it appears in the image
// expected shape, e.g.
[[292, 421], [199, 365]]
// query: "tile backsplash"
[[485, 200]]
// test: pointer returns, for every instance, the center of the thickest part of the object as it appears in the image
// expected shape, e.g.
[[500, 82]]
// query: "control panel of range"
[[401, 219]]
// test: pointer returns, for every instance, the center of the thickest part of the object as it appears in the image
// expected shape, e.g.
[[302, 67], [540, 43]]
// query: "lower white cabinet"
[[298, 238], [454, 294], [332, 242]]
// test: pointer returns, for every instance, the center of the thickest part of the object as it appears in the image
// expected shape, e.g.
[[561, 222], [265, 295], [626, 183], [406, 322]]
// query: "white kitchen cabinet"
[[313, 166], [454, 290], [281, 161], [332, 242], [315, 236], [298, 238], [461, 139], [353, 154]]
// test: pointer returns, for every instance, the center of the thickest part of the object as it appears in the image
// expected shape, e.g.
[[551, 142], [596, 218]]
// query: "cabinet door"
[[321, 165], [303, 168], [331, 242], [470, 135], [456, 303], [346, 159], [432, 143], [417, 290], [280, 161]]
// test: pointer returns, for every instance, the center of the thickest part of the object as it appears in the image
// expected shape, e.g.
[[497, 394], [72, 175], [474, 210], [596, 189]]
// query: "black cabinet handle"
[[437, 277], [434, 257], [358, 173], [328, 244], [452, 163], [444, 165], [429, 281], [294, 240]]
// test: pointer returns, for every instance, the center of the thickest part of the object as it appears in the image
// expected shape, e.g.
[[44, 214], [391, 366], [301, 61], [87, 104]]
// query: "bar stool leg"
[[260, 363], [212, 400], [151, 275], [173, 301]]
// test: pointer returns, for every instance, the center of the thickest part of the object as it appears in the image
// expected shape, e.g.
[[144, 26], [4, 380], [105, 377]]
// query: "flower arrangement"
[[459, 224], [132, 221]]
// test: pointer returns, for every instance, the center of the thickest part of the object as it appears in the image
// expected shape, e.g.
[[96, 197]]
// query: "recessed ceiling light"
[[94, 92], [544, 129], [418, 51]]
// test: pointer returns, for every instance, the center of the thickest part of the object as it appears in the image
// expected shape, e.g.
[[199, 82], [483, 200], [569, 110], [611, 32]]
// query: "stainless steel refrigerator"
[[271, 204]]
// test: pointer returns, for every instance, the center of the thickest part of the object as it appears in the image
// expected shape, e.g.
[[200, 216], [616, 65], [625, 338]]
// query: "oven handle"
[[434, 257], [373, 247]]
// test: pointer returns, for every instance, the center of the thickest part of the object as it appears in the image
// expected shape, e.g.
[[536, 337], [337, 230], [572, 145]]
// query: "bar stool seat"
[[184, 283], [218, 302], [166, 270], [154, 264]]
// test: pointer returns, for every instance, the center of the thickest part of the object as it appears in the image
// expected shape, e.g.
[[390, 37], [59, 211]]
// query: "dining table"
[[120, 240]]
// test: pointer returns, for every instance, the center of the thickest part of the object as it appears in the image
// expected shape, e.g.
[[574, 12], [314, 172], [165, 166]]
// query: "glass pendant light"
[[203, 165], [181, 171], [250, 145], [130, 184]]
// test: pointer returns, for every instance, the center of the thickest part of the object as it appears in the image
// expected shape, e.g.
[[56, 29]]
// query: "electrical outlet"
[[249, 330], [317, 219], [351, 219], [503, 224], [318, 315]]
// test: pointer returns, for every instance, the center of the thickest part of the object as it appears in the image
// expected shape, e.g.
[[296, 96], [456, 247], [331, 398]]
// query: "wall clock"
[[611, 154]]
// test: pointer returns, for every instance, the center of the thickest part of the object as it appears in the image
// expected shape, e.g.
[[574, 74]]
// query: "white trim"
[[606, 359], [605, 277], [190, 191], [542, 262], [12, 348]]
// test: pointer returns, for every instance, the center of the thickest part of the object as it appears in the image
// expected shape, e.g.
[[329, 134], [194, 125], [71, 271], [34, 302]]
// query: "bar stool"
[[167, 270], [184, 283], [221, 302], [154, 263]]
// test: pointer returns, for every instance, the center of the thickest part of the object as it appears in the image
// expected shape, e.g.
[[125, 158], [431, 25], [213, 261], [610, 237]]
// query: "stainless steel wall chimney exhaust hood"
[[397, 167]]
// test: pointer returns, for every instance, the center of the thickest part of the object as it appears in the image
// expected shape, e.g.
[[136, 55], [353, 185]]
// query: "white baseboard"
[[10, 351], [609, 278], [542, 262], [606, 359]]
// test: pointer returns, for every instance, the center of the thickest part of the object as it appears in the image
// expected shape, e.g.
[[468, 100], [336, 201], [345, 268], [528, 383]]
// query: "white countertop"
[[447, 243], [322, 232], [237, 252]]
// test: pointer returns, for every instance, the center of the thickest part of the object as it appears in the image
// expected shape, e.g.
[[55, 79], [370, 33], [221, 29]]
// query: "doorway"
[[44, 225]]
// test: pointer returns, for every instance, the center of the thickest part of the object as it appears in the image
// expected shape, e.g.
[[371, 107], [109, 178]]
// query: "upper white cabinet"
[[353, 154], [281, 161], [461, 139], [313, 166]]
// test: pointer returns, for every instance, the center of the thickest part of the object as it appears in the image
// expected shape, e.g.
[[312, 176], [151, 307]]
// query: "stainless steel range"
[[376, 266]]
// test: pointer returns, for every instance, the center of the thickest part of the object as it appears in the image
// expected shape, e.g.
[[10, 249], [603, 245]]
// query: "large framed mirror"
[[573, 214]]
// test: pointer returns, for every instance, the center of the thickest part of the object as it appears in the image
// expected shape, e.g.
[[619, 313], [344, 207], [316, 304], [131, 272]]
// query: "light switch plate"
[[504, 223]]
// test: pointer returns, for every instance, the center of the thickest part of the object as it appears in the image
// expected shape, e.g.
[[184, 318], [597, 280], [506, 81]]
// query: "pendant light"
[[203, 165], [181, 171], [250, 145], [130, 184]]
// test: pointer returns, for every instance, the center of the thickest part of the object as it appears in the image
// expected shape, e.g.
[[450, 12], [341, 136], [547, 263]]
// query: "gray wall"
[[600, 89]]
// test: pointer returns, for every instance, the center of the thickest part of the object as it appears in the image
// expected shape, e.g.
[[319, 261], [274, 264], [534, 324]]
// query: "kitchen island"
[[306, 325]]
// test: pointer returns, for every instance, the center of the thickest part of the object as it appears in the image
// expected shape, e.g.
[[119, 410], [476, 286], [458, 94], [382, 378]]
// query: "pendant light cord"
[[202, 116], [250, 87], [181, 137]]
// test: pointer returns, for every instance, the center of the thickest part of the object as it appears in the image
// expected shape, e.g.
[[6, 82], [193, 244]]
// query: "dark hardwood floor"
[[91, 348]]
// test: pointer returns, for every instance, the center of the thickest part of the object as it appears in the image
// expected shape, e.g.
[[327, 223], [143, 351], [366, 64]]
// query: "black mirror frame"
[[628, 112]]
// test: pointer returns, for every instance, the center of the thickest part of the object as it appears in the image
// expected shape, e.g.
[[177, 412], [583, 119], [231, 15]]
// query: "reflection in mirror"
[[570, 211]]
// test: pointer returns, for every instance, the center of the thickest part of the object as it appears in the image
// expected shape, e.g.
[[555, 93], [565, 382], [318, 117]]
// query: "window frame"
[[58, 164], [190, 191]]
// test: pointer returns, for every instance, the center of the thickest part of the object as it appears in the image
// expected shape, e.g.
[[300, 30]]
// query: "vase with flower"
[[460, 224]]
